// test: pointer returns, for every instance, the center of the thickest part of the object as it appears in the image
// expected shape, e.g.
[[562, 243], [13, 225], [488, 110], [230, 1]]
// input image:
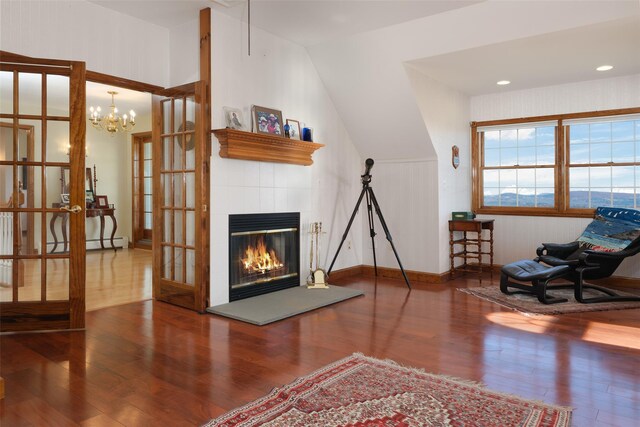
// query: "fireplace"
[[264, 253]]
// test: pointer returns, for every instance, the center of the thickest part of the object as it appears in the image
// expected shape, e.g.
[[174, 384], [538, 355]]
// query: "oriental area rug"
[[360, 391], [529, 304]]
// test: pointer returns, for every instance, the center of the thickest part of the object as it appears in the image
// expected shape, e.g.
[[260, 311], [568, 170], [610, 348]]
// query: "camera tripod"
[[372, 202]]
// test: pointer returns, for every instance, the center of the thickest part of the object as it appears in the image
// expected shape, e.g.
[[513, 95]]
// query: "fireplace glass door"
[[263, 254]]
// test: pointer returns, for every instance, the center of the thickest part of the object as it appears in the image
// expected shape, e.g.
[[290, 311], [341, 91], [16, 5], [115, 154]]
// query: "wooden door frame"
[[137, 197]]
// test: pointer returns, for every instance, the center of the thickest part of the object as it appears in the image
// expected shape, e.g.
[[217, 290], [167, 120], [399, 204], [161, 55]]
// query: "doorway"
[[142, 191]]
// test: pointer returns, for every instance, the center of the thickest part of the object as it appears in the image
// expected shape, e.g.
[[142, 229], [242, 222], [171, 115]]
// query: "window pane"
[[545, 136], [508, 178], [545, 177], [546, 155], [527, 197], [508, 157], [600, 132], [508, 197], [545, 197], [623, 198], [492, 139], [622, 176], [579, 197], [492, 157], [600, 198], [526, 178], [579, 154], [491, 178], [622, 131], [600, 153], [578, 133], [622, 151], [527, 156], [491, 197], [526, 137], [579, 177], [600, 177], [508, 138]]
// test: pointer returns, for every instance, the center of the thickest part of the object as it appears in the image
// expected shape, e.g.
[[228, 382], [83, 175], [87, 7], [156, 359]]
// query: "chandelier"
[[112, 122]]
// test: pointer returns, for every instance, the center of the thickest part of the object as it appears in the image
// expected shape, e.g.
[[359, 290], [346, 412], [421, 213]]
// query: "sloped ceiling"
[[365, 77]]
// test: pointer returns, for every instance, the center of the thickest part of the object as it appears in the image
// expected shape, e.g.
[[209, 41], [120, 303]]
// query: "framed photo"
[[294, 128], [268, 121], [88, 196], [64, 198], [233, 118], [102, 202]]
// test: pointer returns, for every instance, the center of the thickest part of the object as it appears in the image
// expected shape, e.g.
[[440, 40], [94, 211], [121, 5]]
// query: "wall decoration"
[[294, 128], [234, 118], [189, 138], [88, 196], [455, 156], [267, 120], [64, 198]]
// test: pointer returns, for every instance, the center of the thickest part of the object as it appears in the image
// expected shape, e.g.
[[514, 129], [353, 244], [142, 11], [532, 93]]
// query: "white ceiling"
[[549, 59], [305, 22]]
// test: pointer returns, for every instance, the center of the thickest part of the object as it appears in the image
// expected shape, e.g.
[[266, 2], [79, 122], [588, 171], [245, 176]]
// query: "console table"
[[471, 245], [90, 213]]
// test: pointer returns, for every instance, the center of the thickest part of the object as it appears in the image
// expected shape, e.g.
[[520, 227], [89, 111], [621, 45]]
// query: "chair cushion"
[[526, 270]]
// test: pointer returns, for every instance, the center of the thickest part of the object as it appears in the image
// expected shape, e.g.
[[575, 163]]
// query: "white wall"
[[109, 42], [446, 114], [518, 237], [280, 75]]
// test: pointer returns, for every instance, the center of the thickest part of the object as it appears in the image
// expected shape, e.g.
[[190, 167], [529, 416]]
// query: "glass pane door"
[[41, 132]]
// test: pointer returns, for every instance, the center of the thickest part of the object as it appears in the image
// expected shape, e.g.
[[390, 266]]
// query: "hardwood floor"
[[149, 363], [113, 278]]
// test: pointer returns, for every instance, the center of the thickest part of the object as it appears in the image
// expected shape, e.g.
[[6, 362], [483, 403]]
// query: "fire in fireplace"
[[264, 254]]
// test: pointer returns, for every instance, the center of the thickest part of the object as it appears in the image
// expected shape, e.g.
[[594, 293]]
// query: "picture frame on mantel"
[[234, 118], [294, 129], [268, 121]]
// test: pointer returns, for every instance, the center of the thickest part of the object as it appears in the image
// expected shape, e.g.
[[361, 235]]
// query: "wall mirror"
[[65, 180]]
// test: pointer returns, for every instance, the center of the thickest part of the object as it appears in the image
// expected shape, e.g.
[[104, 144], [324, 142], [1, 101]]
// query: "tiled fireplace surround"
[[245, 187]]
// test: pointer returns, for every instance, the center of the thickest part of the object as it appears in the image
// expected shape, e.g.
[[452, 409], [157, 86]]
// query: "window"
[[557, 165]]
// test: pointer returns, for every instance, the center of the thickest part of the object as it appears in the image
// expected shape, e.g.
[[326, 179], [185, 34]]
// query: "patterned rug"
[[529, 304], [360, 391]]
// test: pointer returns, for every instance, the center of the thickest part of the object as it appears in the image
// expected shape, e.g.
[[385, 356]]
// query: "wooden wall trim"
[[122, 82]]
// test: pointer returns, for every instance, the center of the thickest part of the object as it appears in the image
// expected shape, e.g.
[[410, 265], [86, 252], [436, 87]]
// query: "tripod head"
[[366, 178]]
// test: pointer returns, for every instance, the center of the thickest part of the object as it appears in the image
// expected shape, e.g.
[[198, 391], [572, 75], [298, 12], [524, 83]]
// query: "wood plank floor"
[[149, 363]]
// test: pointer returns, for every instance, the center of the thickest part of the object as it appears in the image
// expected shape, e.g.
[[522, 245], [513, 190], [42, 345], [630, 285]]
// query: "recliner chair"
[[613, 236]]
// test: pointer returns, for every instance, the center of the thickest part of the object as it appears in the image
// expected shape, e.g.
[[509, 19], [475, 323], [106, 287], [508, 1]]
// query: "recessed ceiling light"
[[604, 67], [503, 82]]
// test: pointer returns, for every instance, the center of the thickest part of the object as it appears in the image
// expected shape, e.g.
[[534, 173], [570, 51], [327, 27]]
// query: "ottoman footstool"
[[539, 275]]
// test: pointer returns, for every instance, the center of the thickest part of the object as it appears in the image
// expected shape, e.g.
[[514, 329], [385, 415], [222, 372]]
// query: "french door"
[[181, 150], [42, 111], [142, 156]]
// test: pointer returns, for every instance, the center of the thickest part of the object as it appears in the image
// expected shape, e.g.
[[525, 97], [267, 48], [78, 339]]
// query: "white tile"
[[266, 174], [280, 175], [236, 172], [251, 176], [280, 199], [267, 200], [220, 202], [237, 200], [219, 172], [251, 199]]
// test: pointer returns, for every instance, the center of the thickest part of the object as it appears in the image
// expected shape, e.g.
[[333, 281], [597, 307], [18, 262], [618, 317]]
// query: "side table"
[[471, 246]]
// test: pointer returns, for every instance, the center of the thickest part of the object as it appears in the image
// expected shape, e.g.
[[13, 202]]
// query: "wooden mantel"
[[237, 144]]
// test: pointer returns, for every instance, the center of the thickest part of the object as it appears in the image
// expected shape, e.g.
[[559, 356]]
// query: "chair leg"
[[541, 292], [610, 296]]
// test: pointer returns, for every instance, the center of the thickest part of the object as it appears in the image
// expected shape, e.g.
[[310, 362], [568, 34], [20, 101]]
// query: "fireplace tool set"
[[317, 277]]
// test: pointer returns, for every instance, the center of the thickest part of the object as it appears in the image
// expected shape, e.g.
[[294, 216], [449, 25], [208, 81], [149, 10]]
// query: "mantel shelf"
[[237, 144]]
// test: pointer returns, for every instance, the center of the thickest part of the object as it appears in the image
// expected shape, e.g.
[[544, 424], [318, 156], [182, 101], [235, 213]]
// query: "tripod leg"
[[344, 236], [388, 235], [372, 231]]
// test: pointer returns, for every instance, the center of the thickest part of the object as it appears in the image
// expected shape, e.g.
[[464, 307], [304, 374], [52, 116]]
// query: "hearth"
[[264, 253]]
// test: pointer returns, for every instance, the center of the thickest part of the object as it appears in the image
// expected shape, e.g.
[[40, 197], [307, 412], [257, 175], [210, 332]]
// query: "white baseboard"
[[118, 242]]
